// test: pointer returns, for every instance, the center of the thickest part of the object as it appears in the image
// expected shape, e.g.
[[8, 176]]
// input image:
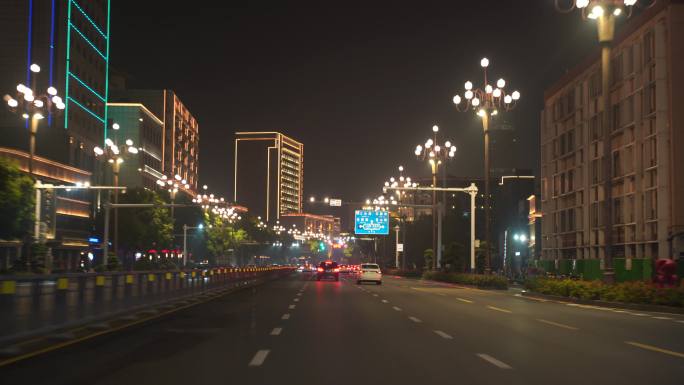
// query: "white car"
[[369, 272]]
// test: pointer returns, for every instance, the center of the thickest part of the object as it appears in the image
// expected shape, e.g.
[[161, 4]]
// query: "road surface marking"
[[414, 319], [292, 306], [296, 299], [655, 349], [276, 331], [443, 335], [619, 311], [681, 321], [661, 317], [494, 361], [299, 294], [464, 300], [259, 358], [385, 301], [557, 324], [639, 314], [375, 295], [532, 298], [442, 294], [499, 309], [399, 309], [285, 316]]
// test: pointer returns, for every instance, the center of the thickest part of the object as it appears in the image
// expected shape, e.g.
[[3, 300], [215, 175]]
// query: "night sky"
[[359, 83]]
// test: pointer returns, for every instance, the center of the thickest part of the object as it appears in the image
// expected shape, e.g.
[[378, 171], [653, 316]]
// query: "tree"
[[428, 255], [140, 229], [17, 197], [222, 235]]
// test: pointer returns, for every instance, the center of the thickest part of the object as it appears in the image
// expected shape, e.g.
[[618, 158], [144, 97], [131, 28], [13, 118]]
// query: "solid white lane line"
[[414, 319], [494, 361], [292, 306], [296, 299], [385, 301], [399, 309], [464, 300], [285, 316], [259, 358], [661, 317], [499, 309], [276, 331], [560, 325], [443, 335]]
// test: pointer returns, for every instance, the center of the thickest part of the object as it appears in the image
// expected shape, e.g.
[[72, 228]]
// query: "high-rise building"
[[269, 173], [647, 140], [180, 142], [146, 130], [69, 40]]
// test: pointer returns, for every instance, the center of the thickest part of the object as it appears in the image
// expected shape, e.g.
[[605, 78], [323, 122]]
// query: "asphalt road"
[[299, 331]]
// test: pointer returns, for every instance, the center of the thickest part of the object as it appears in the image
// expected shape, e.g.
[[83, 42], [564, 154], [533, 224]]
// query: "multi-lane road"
[[300, 331]]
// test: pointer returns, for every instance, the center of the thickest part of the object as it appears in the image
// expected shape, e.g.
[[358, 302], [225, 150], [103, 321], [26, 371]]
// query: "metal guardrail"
[[36, 305]]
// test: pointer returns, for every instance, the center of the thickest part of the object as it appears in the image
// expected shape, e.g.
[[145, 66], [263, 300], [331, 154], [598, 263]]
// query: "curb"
[[619, 305]]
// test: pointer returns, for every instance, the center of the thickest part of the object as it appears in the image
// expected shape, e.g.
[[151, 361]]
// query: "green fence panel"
[[591, 269], [642, 270], [565, 266]]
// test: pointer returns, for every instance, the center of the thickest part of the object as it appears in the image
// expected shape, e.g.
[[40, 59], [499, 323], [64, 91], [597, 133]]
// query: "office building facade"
[[647, 137], [268, 174], [180, 137], [146, 130]]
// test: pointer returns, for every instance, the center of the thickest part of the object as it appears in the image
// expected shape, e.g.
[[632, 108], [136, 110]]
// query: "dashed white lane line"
[[499, 309], [681, 321], [560, 325], [385, 301], [665, 318], [375, 295], [292, 306], [414, 319], [299, 294], [443, 335], [639, 314], [259, 357], [276, 331], [296, 299], [494, 361], [399, 309], [464, 300], [285, 316], [655, 349]]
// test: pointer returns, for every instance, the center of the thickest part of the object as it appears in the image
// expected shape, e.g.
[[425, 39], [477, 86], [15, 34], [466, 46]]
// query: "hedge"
[[479, 280], [405, 273], [631, 292]]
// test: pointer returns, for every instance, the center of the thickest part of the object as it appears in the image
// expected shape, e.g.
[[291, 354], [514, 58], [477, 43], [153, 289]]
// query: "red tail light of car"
[[336, 270], [320, 269]]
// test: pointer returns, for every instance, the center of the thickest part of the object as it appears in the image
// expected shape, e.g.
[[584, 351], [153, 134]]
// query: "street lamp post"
[[604, 12], [487, 102], [435, 154], [396, 249], [115, 157], [185, 240]]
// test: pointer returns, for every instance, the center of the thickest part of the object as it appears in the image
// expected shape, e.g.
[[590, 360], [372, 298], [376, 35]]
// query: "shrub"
[[629, 292], [478, 280], [405, 273]]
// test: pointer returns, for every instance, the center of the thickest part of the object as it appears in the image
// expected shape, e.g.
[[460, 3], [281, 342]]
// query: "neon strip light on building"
[[84, 108], [106, 95], [87, 87], [52, 51], [29, 48], [89, 19], [87, 41]]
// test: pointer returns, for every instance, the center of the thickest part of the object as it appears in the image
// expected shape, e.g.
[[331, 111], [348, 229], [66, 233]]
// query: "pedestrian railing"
[[36, 305]]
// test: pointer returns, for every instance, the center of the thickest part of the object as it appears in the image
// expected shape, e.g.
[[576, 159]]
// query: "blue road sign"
[[371, 222]]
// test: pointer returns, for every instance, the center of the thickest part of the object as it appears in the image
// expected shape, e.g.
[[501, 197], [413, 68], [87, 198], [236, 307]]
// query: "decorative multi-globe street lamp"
[[115, 156], [487, 101], [34, 107], [605, 12], [435, 154]]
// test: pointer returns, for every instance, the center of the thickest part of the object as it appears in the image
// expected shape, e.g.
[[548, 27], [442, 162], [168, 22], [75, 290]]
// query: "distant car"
[[328, 269], [369, 272]]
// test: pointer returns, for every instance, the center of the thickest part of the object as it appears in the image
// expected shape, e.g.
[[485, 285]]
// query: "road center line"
[[414, 319], [292, 306], [399, 309], [560, 325], [285, 316], [259, 358], [499, 309], [494, 361], [443, 335], [276, 331], [655, 349], [464, 300]]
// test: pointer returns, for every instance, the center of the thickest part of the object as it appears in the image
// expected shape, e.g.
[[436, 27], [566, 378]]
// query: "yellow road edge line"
[[499, 309], [97, 334], [464, 300], [655, 349], [560, 325]]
